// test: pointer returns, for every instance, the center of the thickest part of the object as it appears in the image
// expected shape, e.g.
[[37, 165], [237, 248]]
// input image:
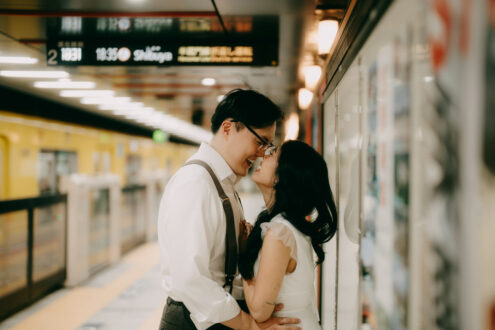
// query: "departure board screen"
[[251, 41], [149, 53]]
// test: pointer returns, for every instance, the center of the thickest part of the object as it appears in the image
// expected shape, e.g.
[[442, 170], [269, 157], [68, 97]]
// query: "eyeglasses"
[[267, 147]]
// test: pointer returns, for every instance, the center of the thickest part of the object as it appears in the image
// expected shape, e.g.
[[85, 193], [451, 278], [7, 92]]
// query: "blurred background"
[[101, 102]]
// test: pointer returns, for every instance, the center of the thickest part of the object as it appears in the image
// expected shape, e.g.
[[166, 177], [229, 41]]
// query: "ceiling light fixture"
[[65, 84], [120, 106], [305, 97], [18, 60], [312, 75], [86, 93], [105, 100], [208, 81], [34, 74], [169, 124], [327, 31]]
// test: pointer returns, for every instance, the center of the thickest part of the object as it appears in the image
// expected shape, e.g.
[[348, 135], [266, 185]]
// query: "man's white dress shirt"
[[191, 235]]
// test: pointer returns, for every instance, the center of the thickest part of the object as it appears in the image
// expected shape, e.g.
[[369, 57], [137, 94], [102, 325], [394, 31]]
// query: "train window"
[[106, 162], [96, 162], [52, 164], [132, 169], [46, 173], [66, 163]]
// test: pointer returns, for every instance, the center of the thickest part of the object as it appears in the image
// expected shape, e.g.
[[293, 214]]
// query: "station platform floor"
[[123, 296], [126, 295]]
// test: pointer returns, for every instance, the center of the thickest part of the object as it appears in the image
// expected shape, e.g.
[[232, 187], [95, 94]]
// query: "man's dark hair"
[[246, 106]]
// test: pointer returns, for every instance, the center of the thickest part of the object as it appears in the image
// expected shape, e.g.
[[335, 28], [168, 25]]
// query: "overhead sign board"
[[159, 53], [251, 41], [260, 26]]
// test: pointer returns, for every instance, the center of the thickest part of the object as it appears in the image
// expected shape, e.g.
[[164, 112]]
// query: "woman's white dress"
[[297, 293]]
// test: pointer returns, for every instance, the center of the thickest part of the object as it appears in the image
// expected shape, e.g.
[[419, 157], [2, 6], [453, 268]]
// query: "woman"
[[278, 263]]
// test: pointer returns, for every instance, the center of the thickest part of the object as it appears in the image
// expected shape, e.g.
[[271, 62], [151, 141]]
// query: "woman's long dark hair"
[[301, 186]]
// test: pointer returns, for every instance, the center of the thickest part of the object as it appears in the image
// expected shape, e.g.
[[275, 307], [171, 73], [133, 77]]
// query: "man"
[[192, 221]]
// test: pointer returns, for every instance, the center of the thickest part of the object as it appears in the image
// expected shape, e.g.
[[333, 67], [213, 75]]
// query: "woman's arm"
[[261, 292]]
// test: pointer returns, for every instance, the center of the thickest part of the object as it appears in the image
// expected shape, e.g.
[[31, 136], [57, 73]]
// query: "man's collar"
[[223, 171]]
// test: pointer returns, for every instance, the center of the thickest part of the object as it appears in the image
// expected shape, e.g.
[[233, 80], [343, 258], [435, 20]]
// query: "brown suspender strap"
[[230, 236]]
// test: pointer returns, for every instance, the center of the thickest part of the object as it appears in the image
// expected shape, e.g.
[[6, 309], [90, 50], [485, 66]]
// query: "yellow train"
[[35, 154]]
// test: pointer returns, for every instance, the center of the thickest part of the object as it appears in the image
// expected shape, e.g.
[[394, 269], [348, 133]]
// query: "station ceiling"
[[175, 90]]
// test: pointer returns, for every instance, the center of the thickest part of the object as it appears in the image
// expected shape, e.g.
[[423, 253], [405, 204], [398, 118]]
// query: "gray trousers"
[[175, 316]]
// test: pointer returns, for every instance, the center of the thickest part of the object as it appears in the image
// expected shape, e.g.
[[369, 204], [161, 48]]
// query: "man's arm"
[[188, 225], [244, 321]]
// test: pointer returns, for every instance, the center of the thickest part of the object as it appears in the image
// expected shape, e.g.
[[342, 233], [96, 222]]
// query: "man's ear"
[[227, 127]]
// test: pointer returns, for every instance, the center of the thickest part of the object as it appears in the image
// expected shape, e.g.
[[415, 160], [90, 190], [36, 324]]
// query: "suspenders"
[[230, 236]]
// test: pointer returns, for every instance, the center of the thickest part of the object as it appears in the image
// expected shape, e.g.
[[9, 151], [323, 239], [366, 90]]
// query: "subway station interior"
[[101, 102]]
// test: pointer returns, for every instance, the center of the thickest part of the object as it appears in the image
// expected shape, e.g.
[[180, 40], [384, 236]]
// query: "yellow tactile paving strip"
[[75, 307]]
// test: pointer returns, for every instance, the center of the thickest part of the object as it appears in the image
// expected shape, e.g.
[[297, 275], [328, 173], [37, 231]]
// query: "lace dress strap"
[[283, 233]]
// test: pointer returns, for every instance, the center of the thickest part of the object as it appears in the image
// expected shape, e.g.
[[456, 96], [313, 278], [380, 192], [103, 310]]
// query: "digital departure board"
[[160, 53], [251, 41]]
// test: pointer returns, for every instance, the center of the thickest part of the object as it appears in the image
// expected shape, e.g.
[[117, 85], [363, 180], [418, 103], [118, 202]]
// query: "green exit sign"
[[160, 136]]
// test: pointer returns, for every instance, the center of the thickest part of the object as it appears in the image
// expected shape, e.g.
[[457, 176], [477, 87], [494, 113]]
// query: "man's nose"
[[260, 153]]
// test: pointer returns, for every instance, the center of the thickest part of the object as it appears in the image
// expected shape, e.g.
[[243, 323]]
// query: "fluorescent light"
[[65, 84], [34, 74], [208, 81], [327, 31], [138, 113], [124, 106], [184, 130], [126, 113], [18, 60], [312, 75], [105, 100], [220, 98], [169, 124], [86, 93], [305, 97]]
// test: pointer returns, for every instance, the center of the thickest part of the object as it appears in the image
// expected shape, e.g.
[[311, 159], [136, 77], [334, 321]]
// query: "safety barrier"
[[93, 224], [106, 220], [32, 249]]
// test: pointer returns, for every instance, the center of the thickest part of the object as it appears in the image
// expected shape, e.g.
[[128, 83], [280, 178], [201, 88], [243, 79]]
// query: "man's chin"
[[242, 172]]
